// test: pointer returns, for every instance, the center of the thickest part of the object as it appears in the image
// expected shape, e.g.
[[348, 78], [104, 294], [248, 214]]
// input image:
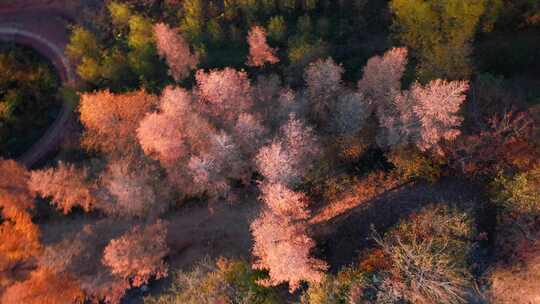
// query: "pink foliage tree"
[[66, 185], [171, 133], [283, 247], [424, 115], [175, 49], [436, 110], [212, 169], [381, 80], [288, 159], [249, 133], [324, 85], [259, 51], [138, 255], [132, 190], [225, 93]]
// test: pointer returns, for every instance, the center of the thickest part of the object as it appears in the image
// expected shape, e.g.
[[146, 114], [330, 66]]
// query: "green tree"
[[120, 14], [440, 33], [192, 23], [277, 28], [82, 43]]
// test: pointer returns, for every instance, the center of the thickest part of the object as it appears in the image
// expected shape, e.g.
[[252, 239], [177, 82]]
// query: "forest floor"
[[46, 30], [222, 229]]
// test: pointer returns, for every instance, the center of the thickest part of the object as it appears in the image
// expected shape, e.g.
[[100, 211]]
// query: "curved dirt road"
[[47, 33]]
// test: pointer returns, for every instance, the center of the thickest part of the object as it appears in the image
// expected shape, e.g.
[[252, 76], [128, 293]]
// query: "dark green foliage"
[[28, 102]]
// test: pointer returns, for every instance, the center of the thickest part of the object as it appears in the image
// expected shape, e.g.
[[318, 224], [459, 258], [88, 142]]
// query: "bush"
[[428, 255], [410, 163], [222, 281], [343, 288]]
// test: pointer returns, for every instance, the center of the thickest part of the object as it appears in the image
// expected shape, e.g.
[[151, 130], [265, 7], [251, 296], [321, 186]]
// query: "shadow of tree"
[[343, 238]]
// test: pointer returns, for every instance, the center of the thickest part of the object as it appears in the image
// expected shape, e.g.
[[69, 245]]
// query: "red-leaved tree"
[[138, 255], [66, 185], [259, 51], [171, 45]]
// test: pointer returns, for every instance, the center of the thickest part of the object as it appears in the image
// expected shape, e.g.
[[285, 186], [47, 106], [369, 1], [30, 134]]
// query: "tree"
[[44, 287], [424, 115], [324, 84], [285, 202], [79, 255], [435, 107], [259, 51], [289, 158], [277, 28], [282, 246], [132, 190], [212, 170], [225, 93], [440, 33], [14, 193], [19, 244], [110, 120], [381, 78], [350, 114], [67, 185], [19, 237], [170, 133], [138, 255], [427, 255], [172, 46], [249, 133], [82, 44], [192, 23]]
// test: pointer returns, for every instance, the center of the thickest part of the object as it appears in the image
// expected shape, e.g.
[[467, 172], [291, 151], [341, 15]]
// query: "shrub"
[[222, 281], [428, 254], [410, 163]]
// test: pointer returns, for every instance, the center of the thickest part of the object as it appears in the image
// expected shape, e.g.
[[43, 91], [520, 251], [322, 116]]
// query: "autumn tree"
[[66, 185], [282, 246], [110, 120], [138, 255], [211, 170], [324, 85], [79, 255], [19, 236], [170, 134], [435, 109], [423, 115], [289, 157], [14, 193], [173, 47], [44, 287], [224, 93], [440, 33], [381, 78], [259, 51], [427, 254], [132, 190]]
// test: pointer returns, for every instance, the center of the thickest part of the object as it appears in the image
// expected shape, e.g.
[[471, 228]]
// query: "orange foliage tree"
[[138, 255], [110, 120], [259, 51], [67, 186]]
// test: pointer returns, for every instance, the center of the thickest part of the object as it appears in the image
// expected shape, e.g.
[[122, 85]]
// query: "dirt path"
[[46, 31]]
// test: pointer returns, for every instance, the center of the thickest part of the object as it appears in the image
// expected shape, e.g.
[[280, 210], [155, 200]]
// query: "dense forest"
[[278, 151]]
